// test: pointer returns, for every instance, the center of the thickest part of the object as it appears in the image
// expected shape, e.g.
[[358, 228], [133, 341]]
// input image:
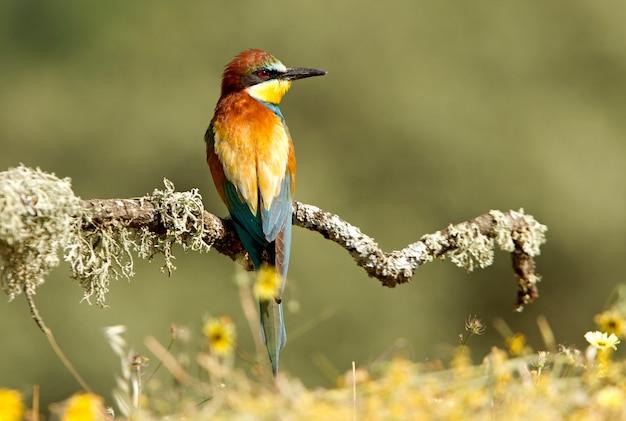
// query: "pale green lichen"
[[434, 243], [472, 247], [502, 232], [98, 255], [38, 214], [105, 252], [529, 238], [181, 214], [532, 236]]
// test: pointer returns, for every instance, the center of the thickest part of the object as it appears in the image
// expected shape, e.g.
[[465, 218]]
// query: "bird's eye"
[[263, 74]]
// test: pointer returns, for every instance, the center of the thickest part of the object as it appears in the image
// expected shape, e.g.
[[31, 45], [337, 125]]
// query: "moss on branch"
[[40, 217]]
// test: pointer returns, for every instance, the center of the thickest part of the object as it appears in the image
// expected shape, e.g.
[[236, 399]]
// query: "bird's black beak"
[[301, 73]]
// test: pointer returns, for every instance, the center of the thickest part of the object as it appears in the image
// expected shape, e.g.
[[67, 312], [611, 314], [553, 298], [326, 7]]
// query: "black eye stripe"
[[267, 73], [260, 76]]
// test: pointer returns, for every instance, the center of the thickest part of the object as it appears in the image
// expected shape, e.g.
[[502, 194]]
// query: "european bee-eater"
[[253, 164]]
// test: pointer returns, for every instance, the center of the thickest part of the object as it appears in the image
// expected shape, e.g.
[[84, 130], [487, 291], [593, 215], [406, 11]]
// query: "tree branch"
[[143, 214], [40, 214], [468, 244]]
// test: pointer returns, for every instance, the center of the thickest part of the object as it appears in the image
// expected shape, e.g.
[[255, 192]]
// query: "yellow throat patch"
[[271, 91]]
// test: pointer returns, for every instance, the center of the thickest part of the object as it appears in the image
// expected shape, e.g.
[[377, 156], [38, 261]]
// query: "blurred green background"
[[431, 113]]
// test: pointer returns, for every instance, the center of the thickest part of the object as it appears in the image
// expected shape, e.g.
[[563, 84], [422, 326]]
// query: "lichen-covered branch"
[[100, 237], [36, 214], [468, 244]]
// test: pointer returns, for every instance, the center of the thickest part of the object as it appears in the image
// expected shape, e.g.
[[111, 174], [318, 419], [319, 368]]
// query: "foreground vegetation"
[[511, 382]]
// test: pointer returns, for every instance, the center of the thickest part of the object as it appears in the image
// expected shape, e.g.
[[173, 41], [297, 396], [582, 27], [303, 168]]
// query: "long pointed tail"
[[273, 330], [272, 320]]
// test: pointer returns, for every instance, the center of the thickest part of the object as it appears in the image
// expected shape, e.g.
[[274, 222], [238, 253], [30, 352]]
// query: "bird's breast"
[[254, 148]]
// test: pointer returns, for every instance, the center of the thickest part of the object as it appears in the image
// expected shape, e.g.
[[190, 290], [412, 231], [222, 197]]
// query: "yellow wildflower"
[[611, 322], [11, 405], [84, 407], [267, 284], [221, 335], [602, 341], [516, 344]]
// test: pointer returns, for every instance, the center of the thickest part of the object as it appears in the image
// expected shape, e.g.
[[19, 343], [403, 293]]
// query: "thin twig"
[[172, 365], [35, 407], [250, 310], [353, 391], [53, 343]]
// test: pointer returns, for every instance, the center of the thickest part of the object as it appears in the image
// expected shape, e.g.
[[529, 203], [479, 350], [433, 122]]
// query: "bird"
[[252, 161]]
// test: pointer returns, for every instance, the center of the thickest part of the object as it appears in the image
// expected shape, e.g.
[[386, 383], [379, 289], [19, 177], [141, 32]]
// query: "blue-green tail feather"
[[266, 237]]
